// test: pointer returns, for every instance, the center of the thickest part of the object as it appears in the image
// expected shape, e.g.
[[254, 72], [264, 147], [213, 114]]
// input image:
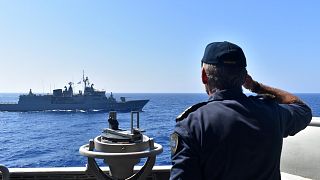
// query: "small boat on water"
[[65, 100]]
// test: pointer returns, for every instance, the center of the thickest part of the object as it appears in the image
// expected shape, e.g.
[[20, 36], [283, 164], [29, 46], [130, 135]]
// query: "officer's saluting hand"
[[280, 96]]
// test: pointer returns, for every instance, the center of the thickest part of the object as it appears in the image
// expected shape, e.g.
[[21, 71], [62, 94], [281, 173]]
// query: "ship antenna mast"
[[83, 75], [84, 81]]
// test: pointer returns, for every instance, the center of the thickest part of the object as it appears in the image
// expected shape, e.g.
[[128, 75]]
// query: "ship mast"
[[85, 80], [82, 75]]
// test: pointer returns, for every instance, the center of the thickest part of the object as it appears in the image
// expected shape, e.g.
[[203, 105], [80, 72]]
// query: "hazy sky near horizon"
[[154, 46]]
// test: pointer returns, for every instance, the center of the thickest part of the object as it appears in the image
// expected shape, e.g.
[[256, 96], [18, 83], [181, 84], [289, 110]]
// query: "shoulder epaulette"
[[189, 110], [267, 97]]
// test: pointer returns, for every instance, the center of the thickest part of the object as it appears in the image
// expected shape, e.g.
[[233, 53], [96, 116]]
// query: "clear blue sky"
[[154, 46]]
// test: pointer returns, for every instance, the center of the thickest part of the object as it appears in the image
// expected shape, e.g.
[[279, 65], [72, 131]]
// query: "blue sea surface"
[[52, 139]]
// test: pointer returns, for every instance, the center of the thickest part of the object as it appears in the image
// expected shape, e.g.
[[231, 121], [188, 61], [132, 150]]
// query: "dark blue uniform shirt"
[[235, 137]]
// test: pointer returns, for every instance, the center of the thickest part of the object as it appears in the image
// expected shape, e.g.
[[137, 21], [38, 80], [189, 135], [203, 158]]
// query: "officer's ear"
[[204, 76], [245, 74]]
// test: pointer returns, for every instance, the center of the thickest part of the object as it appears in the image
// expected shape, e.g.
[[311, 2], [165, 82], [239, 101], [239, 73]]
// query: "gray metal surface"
[[301, 153]]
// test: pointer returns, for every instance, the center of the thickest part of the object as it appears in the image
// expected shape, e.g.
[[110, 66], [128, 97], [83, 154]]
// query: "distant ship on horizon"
[[65, 100]]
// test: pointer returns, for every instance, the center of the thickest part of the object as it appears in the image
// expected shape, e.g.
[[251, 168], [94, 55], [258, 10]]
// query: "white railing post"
[[5, 172]]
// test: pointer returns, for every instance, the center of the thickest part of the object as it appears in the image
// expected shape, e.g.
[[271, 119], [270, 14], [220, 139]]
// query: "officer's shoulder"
[[189, 110]]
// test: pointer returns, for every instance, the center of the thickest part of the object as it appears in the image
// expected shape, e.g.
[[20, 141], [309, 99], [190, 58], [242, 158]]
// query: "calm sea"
[[52, 139]]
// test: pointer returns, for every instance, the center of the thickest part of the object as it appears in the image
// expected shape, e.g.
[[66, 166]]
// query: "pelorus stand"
[[121, 150]]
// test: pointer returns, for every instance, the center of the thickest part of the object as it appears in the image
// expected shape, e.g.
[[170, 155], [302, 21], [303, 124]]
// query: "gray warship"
[[65, 100]]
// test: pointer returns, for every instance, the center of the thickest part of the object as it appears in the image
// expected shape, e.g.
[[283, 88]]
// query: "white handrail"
[[315, 122]]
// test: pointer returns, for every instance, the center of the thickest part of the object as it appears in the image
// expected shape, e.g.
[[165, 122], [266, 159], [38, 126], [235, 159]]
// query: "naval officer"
[[232, 136]]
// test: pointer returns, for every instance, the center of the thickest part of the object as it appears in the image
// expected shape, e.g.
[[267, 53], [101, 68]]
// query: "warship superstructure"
[[65, 100]]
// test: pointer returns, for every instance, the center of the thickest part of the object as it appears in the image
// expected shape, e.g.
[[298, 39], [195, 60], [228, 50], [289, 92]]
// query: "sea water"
[[52, 139]]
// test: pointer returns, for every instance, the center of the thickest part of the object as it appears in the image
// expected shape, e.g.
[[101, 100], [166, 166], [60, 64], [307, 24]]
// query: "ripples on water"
[[52, 139]]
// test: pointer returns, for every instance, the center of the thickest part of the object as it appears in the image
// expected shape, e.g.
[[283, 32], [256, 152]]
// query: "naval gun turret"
[[121, 150]]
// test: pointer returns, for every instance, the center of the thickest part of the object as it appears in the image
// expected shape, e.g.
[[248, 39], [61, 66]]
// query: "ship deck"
[[300, 161]]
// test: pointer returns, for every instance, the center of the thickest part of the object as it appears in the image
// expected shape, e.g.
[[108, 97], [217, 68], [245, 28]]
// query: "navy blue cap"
[[224, 53]]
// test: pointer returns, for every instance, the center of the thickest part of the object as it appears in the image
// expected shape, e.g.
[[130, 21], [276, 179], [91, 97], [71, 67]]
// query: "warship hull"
[[127, 106]]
